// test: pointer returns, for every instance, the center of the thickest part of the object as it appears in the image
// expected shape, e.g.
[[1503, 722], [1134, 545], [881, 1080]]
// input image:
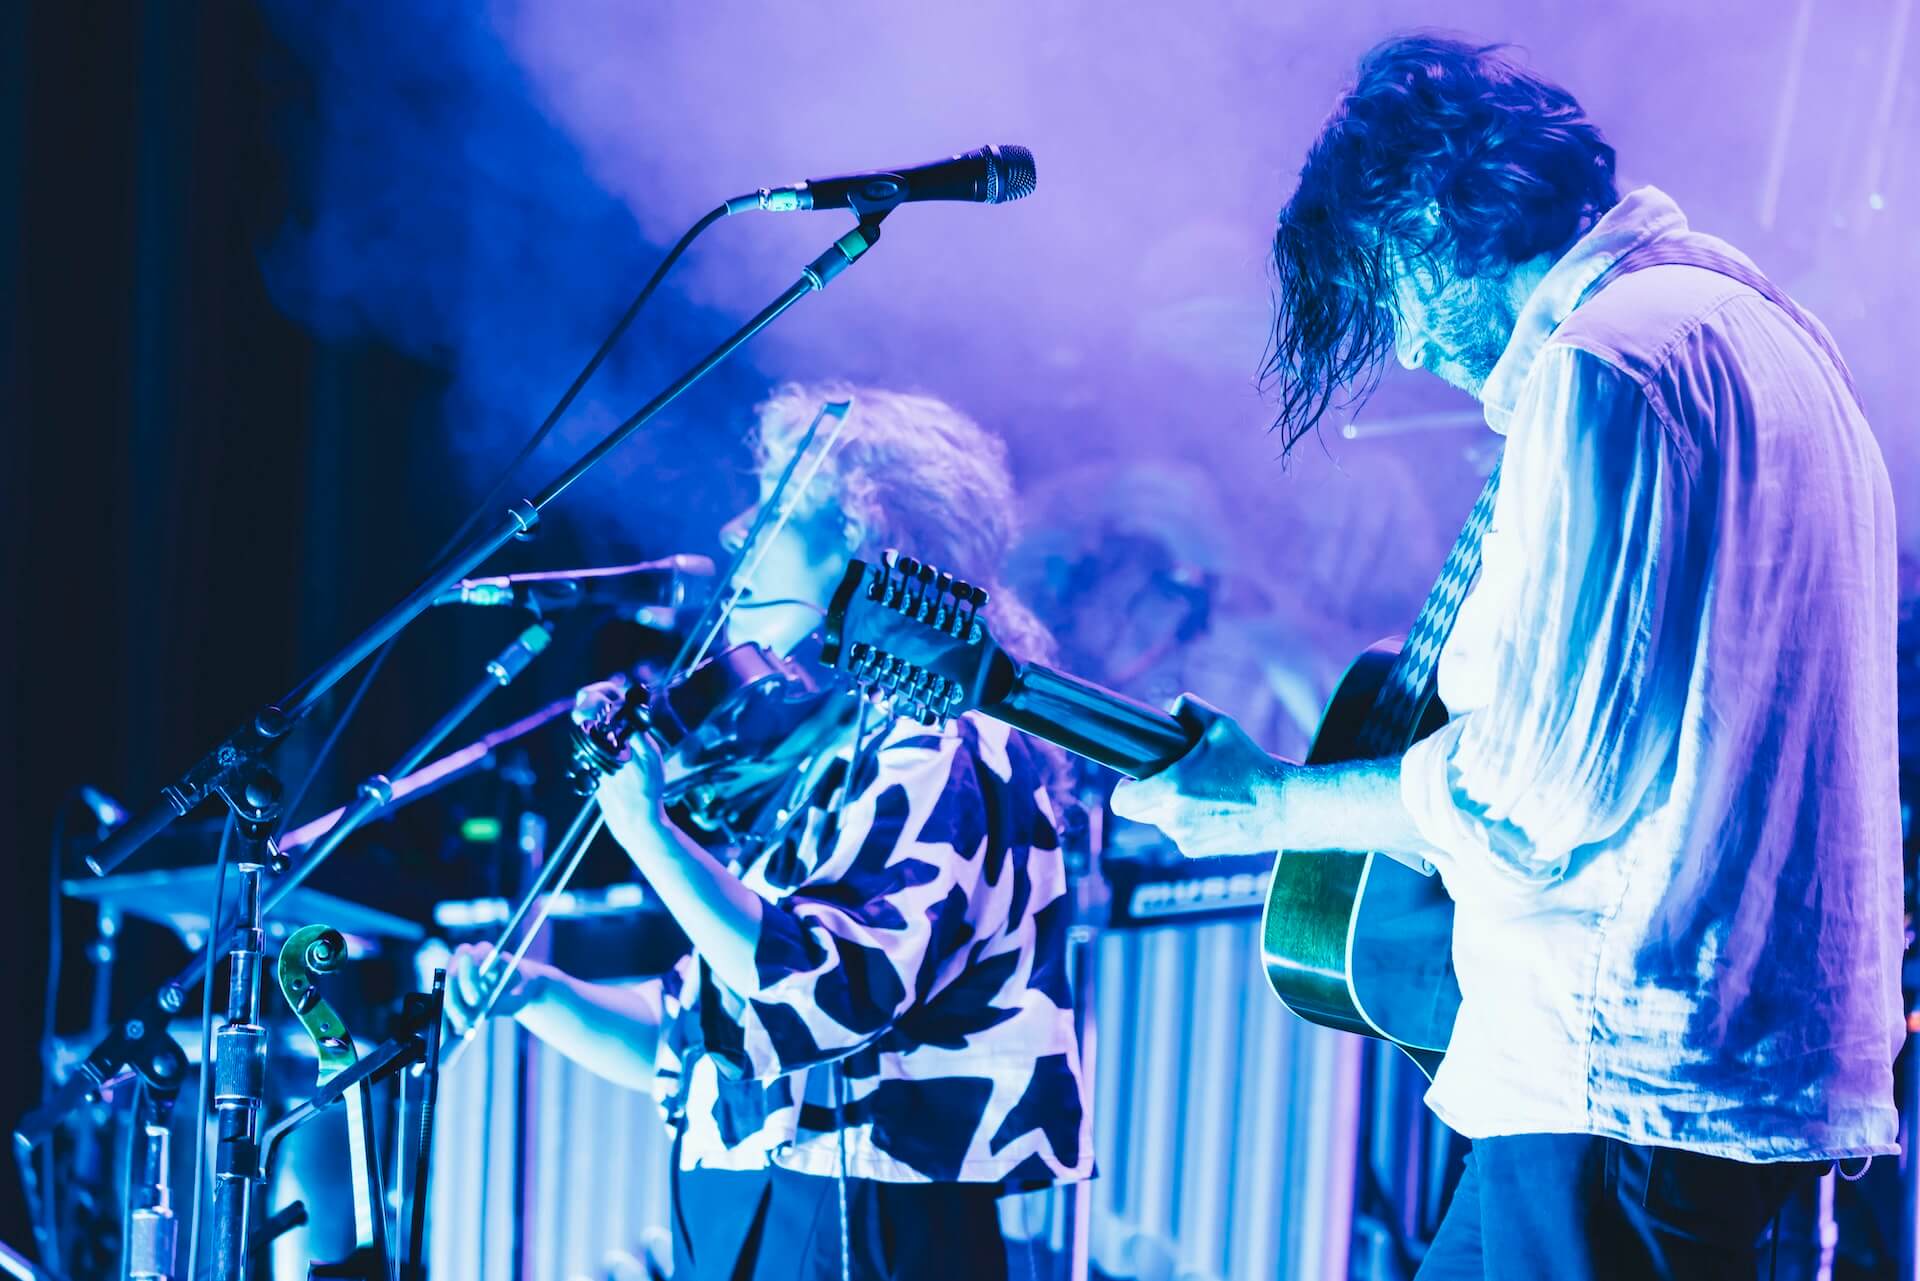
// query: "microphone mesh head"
[[1010, 174]]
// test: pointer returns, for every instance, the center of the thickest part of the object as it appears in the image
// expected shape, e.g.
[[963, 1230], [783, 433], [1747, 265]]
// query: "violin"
[[732, 731]]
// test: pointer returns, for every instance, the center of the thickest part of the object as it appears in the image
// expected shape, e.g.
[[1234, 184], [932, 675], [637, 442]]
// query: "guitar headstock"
[[915, 637]]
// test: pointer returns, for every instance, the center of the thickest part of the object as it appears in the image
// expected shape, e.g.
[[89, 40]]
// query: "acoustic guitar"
[[1350, 939]]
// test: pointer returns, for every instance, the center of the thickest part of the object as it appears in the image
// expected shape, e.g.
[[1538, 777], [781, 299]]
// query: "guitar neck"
[[1106, 727]]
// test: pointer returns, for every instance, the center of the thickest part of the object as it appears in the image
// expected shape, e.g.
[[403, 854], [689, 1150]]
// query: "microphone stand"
[[239, 1088], [239, 1067], [422, 782], [253, 741], [243, 752]]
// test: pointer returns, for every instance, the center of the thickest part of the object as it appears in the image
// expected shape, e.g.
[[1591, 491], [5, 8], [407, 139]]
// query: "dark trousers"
[[1572, 1207], [776, 1225]]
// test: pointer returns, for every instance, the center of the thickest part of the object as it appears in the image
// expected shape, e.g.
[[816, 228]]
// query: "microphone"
[[989, 175], [650, 593]]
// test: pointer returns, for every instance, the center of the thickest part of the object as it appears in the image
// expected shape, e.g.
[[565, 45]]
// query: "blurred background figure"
[[1149, 593]]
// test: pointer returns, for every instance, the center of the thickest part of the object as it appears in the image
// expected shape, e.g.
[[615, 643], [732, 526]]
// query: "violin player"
[[872, 1039]]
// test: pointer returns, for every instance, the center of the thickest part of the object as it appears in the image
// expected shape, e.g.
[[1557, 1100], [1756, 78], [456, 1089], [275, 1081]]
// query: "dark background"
[[204, 499], [176, 446]]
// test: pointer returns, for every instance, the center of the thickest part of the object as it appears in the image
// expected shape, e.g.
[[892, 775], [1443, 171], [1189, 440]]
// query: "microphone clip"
[[871, 202]]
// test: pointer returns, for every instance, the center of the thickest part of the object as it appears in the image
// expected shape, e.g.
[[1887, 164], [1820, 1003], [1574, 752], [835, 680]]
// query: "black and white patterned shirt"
[[914, 947]]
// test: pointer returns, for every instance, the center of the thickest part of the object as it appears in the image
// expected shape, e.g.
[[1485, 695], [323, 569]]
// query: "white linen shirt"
[[1666, 803]]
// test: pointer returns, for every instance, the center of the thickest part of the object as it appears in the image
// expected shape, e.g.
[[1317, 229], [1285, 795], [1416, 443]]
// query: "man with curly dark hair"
[[1665, 803]]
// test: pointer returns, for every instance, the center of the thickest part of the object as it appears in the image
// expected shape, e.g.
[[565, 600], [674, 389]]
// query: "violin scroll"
[[602, 745]]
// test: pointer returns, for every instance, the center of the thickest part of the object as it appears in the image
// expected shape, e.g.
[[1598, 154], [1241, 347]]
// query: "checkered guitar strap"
[[1397, 710]]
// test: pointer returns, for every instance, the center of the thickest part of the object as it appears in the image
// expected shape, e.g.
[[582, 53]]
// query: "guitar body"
[[1358, 941]]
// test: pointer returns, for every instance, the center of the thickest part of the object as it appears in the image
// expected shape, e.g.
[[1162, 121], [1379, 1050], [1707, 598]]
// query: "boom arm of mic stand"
[[246, 747], [242, 750], [424, 781], [376, 792]]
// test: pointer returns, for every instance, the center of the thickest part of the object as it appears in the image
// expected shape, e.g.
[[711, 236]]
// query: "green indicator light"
[[480, 831]]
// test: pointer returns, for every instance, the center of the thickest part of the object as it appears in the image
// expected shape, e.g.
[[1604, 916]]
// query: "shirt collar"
[[1642, 215]]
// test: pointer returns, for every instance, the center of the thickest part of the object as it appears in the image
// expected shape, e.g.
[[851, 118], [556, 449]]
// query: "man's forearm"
[[1351, 805], [1228, 795], [612, 1031]]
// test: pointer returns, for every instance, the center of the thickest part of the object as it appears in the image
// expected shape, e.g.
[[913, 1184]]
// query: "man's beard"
[[1468, 326]]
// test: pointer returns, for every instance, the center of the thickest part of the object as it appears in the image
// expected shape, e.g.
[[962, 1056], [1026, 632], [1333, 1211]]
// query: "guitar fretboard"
[[1402, 700]]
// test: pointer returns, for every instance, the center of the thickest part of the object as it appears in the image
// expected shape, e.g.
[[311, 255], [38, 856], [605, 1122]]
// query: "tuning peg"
[[919, 601], [962, 608], [939, 697], [940, 614]]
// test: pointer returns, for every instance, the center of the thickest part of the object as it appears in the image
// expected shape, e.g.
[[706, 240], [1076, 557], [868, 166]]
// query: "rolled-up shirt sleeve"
[[1591, 586], [860, 939]]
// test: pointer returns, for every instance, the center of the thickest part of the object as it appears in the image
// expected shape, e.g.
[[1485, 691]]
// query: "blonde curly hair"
[[919, 476]]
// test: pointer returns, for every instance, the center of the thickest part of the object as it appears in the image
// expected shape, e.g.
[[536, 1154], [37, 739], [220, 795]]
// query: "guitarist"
[[1665, 803]]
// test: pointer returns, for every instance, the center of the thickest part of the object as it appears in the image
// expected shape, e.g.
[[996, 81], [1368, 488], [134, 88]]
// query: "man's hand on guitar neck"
[[1227, 796]]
